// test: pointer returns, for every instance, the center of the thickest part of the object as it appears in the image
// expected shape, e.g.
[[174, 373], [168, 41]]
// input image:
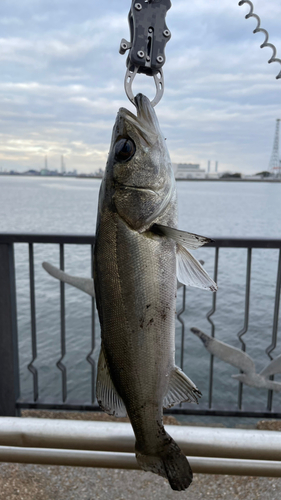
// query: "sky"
[[62, 83]]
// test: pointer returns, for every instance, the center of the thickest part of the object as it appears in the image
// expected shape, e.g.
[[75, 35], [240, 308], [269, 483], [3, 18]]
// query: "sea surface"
[[214, 209]]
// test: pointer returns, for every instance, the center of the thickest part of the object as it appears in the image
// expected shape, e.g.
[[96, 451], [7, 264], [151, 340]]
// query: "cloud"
[[62, 82]]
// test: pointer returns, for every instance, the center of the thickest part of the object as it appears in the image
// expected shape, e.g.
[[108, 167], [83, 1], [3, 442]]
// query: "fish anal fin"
[[181, 389], [107, 396]]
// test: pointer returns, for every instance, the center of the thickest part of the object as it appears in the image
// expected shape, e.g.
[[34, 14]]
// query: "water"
[[56, 205]]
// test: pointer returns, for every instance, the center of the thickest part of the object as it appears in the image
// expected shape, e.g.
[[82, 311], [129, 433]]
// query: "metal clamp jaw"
[[149, 35]]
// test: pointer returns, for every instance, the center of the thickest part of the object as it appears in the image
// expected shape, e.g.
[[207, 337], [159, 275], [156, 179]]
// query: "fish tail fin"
[[169, 462]]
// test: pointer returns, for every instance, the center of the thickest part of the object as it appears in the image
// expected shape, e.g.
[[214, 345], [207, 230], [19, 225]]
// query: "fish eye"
[[124, 150]]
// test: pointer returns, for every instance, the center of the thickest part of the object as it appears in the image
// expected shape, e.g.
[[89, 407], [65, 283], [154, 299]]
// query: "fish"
[[138, 256]]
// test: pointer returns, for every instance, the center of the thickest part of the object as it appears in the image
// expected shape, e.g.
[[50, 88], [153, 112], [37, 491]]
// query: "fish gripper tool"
[[149, 35]]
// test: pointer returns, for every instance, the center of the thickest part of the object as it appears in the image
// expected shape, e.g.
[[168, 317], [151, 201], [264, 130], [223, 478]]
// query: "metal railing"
[[10, 400], [112, 445]]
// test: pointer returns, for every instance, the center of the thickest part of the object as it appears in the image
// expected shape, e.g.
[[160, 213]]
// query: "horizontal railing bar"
[[226, 242], [82, 406], [216, 412], [250, 444], [109, 460], [69, 239], [81, 239]]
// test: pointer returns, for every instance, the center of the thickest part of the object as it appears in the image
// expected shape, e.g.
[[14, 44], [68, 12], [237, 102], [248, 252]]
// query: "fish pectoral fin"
[[181, 389], [191, 273], [187, 240], [107, 396], [189, 270], [84, 284]]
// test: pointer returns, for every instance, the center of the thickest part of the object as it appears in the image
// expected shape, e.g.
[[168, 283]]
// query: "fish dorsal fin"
[[107, 396], [191, 273], [84, 284], [181, 389], [187, 240]]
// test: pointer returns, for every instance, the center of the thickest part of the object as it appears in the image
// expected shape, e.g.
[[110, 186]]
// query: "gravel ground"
[[34, 482], [42, 482]]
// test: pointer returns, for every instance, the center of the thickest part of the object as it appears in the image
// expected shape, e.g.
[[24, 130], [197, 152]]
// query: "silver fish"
[[135, 285], [138, 255]]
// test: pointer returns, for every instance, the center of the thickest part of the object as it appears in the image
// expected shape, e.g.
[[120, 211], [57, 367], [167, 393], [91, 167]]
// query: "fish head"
[[139, 168]]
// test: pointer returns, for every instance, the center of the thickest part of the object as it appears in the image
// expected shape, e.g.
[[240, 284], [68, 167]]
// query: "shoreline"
[[95, 177], [231, 179]]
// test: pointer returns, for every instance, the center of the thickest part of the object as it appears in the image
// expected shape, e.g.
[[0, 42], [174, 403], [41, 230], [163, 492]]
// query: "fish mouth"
[[138, 188], [145, 110], [145, 123]]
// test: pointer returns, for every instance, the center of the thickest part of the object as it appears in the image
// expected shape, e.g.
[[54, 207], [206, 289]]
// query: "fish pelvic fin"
[[107, 396], [169, 462], [181, 389]]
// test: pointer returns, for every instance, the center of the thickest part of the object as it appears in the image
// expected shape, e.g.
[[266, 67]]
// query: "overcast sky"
[[62, 78]]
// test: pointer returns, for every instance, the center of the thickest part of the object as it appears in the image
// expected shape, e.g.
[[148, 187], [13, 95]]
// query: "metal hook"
[[158, 80]]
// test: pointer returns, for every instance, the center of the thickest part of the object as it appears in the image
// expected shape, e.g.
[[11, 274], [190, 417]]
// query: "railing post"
[[9, 364]]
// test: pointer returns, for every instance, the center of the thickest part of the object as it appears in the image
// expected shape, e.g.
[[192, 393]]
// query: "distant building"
[[48, 173], [99, 173], [189, 171], [31, 172], [213, 175]]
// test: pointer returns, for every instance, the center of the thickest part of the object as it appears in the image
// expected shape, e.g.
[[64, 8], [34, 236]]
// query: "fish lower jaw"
[[140, 188]]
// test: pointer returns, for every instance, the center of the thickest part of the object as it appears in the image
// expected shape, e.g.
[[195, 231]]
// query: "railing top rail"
[[227, 241], [74, 239], [88, 239]]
